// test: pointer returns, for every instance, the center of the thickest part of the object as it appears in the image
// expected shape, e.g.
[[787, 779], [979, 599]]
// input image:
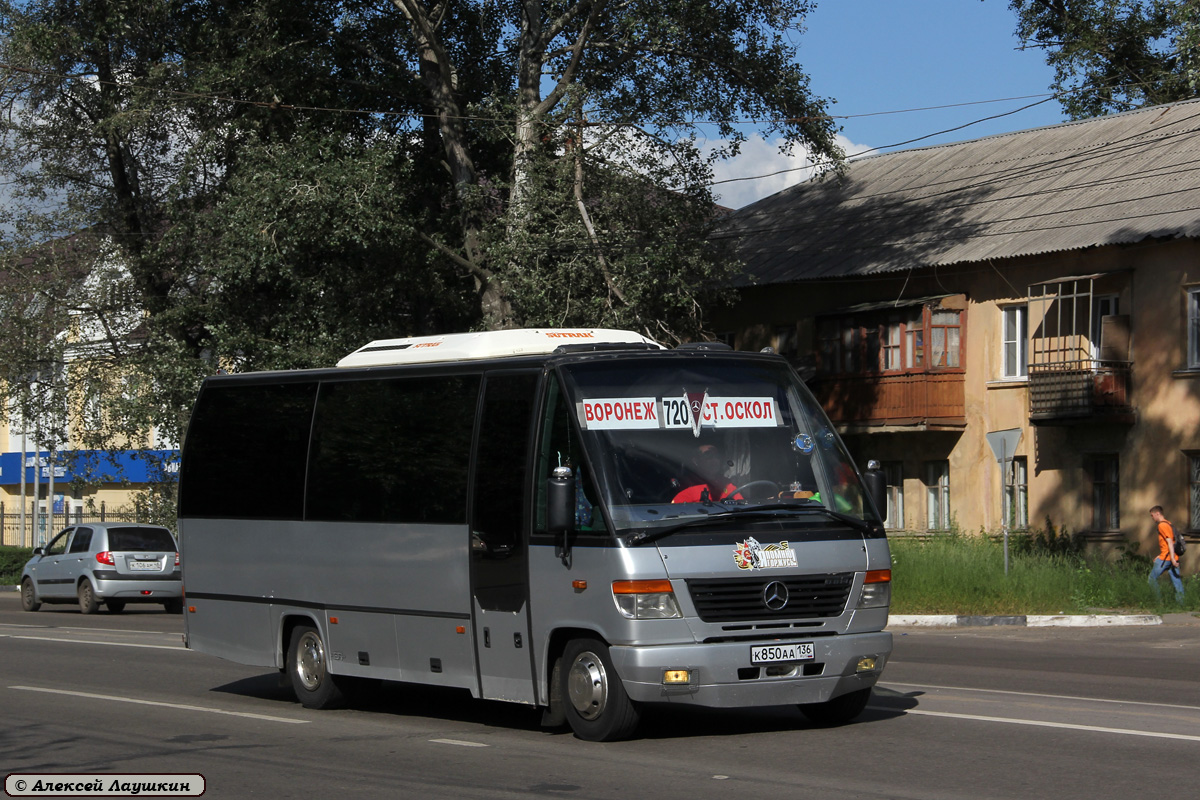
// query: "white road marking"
[[459, 743], [177, 706], [1042, 724], [1174, 706], [93, 641]]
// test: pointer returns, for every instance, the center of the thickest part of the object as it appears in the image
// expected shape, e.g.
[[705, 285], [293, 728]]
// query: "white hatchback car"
[[113, 563]]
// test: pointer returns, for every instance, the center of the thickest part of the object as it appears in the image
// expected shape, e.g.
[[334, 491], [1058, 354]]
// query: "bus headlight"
[[645, 599], [877, 589]]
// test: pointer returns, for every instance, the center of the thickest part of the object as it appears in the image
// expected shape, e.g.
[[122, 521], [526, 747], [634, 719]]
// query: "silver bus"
[[579, 520]]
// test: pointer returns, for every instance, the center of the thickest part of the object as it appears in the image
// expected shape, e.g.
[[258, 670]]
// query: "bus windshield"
[[674, 439]]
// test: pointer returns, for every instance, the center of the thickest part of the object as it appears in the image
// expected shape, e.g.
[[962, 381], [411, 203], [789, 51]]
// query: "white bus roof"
[[484, 344]]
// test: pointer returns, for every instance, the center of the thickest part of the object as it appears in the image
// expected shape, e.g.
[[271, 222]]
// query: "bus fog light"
[[676, 676], [867, 664]]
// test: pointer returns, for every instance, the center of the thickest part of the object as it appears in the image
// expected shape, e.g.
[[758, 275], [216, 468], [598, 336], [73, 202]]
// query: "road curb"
[[1021, 620]]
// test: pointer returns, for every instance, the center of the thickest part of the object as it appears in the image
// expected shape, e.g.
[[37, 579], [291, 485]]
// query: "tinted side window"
[[245, 452], [393, 450], [81, 541], [123, 539], [498, 555]]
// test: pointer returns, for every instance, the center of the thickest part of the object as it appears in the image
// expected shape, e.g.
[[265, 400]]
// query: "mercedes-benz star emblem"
[[775, 596]]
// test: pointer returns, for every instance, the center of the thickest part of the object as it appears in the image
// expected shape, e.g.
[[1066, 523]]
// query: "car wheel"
[[594, 700], [88, 604], [173, 606], [839, 710], [29, 601], [114, 606], [307, 667]]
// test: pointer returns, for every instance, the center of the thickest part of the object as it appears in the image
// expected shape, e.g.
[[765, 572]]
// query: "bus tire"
[[837, 711], [88, 604], [307, 666], [593, 698]]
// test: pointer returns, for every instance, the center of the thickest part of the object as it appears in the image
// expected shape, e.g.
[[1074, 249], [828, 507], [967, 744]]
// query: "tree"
[[1115, 55], [650, 70]]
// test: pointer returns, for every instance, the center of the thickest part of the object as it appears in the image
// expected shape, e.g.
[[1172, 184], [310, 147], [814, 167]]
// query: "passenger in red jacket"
[[709, 469]]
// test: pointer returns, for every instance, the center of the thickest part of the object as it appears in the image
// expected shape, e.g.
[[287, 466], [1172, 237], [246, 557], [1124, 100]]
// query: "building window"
[[830, 344], [850, 339], [1016, 339], [894, 473], [891, 347], [937, 495], [1194, 328], [944, 338], [1016, 494], [1194, 492], [1105, 305], [872, 342], [1106, 493]]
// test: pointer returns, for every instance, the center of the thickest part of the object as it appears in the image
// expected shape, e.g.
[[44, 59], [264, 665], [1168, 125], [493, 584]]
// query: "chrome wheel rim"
[[310, 661], [587, 685]]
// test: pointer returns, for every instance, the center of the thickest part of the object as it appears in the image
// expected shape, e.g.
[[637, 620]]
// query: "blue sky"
[[875, 56]]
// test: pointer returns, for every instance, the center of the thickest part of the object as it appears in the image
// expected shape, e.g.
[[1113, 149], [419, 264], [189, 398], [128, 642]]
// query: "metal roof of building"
[[1109, 180]]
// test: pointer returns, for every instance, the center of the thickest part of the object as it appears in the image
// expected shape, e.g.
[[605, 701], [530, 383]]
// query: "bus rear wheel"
[[594, 700], [307, 667]]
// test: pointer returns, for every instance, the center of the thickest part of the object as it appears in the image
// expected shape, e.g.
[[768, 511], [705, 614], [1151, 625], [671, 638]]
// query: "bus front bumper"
[[722, 675]]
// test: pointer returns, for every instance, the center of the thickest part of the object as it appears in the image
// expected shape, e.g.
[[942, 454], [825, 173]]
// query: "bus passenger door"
[[499, 542]]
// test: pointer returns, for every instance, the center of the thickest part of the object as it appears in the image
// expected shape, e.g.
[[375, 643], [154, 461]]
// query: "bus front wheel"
[[594, 701], [307, 667]]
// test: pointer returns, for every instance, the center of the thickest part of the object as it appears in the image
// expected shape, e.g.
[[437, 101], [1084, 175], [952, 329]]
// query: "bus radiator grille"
[[740, 599]]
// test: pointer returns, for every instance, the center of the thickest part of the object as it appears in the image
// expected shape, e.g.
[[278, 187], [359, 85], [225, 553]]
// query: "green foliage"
[[12, 559], [1115, 55], [965, 575], [1049, 541]]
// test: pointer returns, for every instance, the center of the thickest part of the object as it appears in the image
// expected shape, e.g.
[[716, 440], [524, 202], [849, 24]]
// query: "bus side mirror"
[[560, 501], [876, 482]]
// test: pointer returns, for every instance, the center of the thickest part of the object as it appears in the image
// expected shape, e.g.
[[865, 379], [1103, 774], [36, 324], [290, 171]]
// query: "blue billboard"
[[92, 466]]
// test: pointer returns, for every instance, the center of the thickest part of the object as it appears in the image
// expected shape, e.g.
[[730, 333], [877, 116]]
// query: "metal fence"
[[40, 527]]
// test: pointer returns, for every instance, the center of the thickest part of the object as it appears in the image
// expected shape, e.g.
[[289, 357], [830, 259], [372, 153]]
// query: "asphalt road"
[[961, 713]]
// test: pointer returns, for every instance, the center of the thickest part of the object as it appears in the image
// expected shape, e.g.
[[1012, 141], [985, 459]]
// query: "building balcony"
[[910, 400], [1086, 390]]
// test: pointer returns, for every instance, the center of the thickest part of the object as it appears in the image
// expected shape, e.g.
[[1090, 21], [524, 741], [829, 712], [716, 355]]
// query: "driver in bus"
[[709, 469]]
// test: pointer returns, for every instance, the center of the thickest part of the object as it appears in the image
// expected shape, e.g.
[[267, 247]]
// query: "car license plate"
[[144, 566], [775, 653]]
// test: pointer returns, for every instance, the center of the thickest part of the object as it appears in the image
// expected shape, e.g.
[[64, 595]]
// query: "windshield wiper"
[[646, 536], [854, 522]]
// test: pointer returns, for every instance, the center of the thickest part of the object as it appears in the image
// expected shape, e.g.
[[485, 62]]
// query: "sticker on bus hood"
[[691, 410], [752, 555]]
